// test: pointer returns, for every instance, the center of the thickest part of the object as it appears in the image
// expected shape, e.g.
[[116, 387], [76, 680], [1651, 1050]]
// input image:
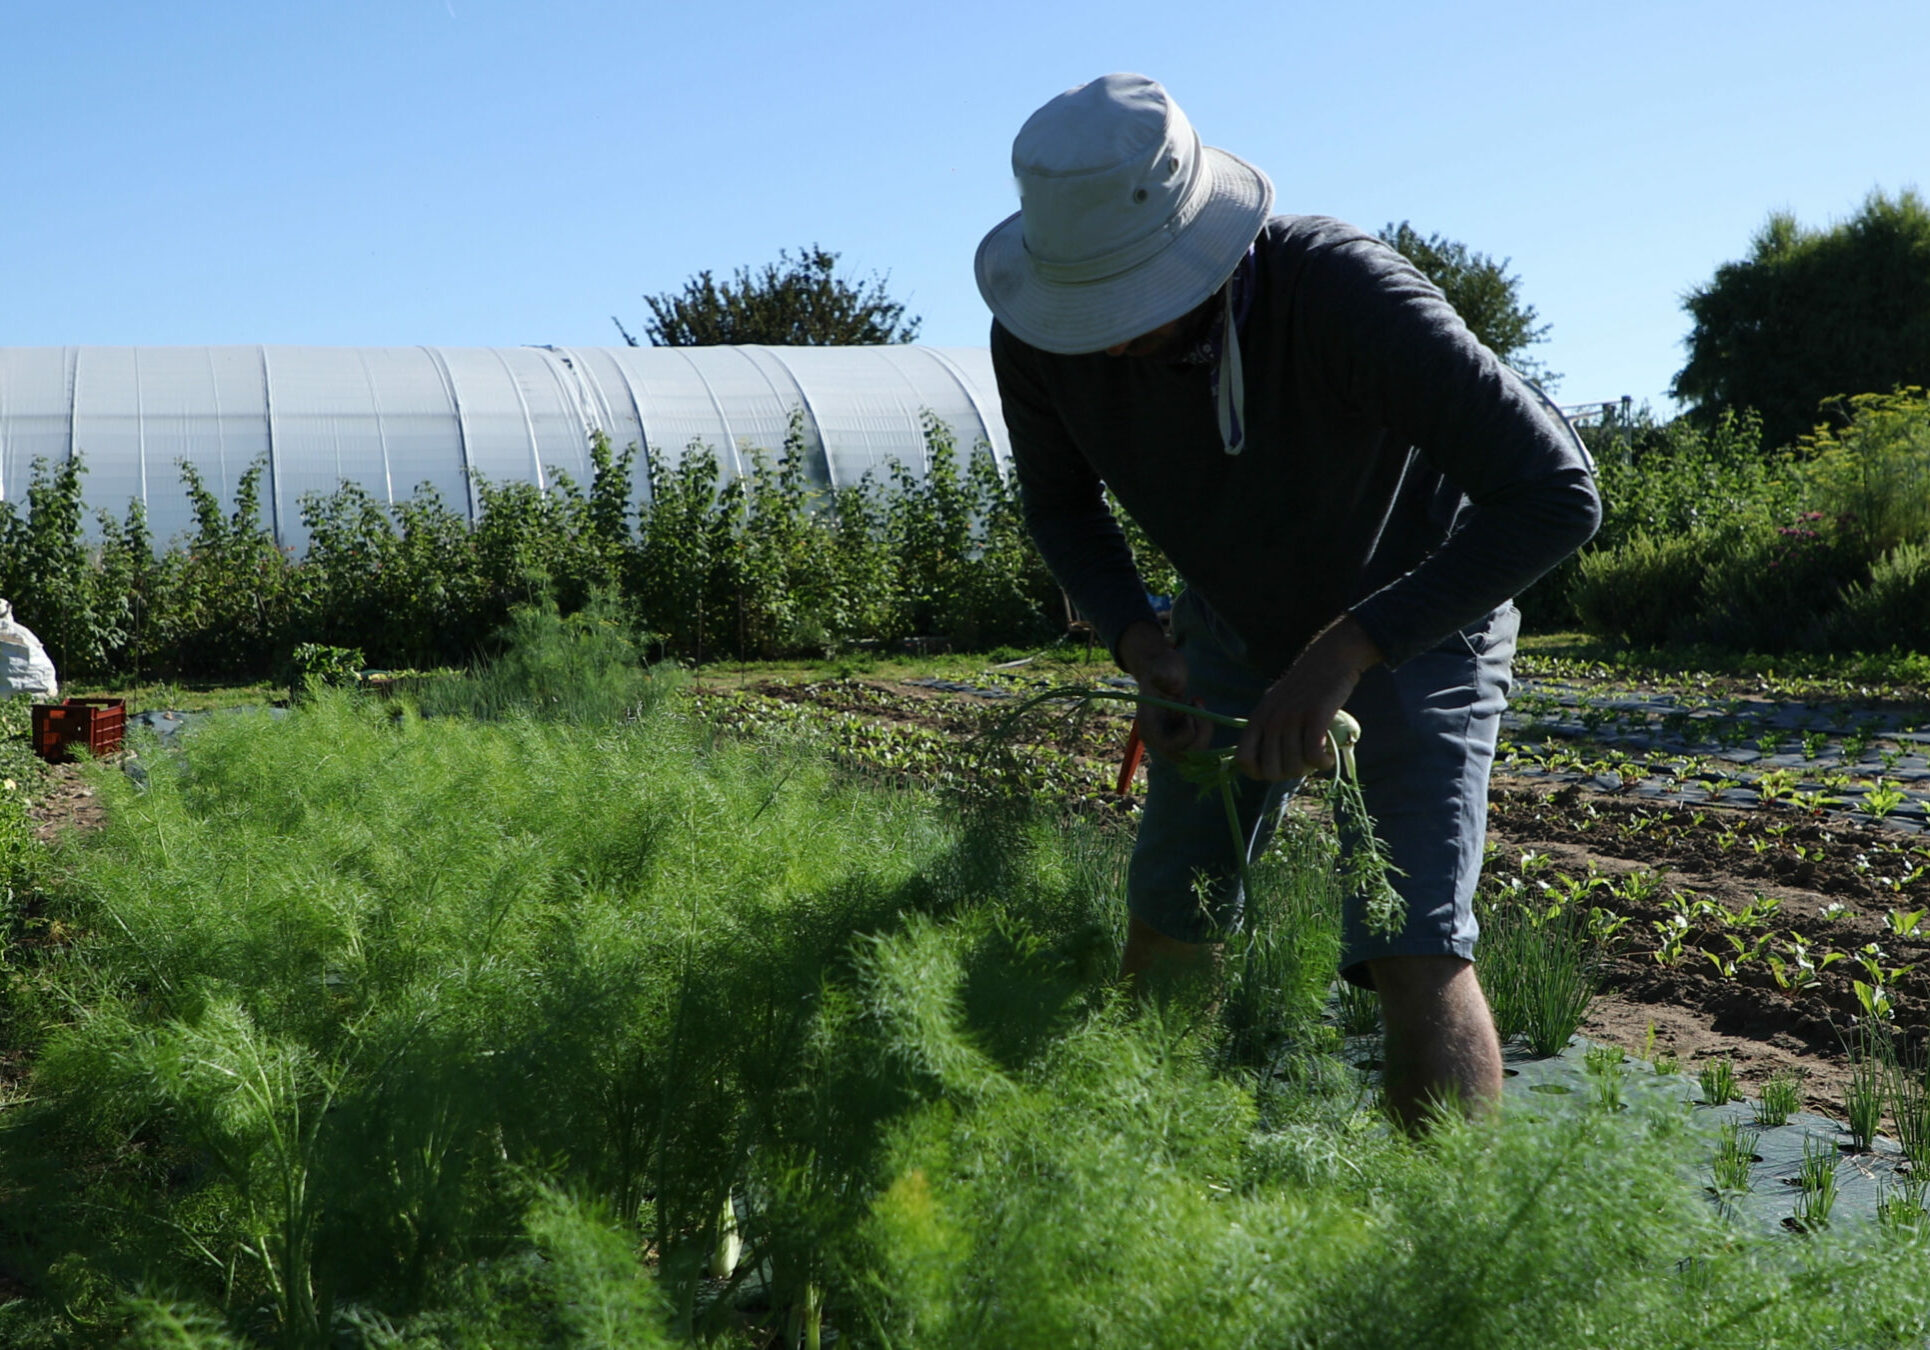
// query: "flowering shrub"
[[1819, 549], [1873, 472]]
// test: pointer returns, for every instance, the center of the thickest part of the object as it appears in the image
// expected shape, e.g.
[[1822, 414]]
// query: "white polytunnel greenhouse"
[[391, 418]]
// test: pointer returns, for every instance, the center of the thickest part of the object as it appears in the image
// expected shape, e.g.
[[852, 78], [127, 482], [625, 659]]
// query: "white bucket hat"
[[1126, 221]]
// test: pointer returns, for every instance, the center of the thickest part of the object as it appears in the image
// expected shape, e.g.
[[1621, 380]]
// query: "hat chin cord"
[[1230, 395]]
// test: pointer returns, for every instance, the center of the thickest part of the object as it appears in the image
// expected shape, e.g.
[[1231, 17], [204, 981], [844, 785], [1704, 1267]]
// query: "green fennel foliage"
[[384, 1030]]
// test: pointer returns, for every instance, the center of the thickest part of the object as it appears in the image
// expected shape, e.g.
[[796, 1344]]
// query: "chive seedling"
[[1863, 1099], [1900, 1211], [1735, 1155], [1781, 1095], [1817, 1176], [1718, 1080]]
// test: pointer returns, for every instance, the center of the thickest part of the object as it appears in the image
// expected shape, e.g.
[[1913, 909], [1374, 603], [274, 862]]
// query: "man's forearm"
[[1139, 645], [1087, 554]]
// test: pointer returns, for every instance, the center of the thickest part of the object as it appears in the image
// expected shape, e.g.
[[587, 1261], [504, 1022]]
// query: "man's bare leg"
[[1441, 1048], [1151, 958]]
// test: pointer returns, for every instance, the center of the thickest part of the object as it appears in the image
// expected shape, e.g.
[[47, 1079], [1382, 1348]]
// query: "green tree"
[[230, 592], [1483, 293], [1812, 314], [793, 302]]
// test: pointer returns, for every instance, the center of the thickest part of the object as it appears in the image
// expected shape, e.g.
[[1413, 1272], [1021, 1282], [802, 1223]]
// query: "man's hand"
[[1286, 734], [1150, 659]]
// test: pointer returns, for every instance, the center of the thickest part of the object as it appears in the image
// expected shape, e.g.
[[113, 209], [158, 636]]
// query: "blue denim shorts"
[[1428, 732]]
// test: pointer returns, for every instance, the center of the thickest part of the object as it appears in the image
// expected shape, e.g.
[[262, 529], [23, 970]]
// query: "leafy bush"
[[1775, 590], [1665, 482], [1890, 607], [314, 663], [399, 581], [765, 564], [1640, 591], [226, 597], [1676, 478], [57, 590]]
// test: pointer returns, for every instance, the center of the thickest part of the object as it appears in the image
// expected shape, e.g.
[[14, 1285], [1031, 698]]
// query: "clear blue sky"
[[495, 172]]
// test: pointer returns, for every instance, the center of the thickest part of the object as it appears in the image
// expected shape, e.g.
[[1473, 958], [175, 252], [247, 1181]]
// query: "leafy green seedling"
[[1874, 994], [1796, 968], [1741, 952], [1695, 908], [1608, 1089], [1875, 1000], [1639, 887], [1604, 1064], [1605, 926], [1563, 890], [1671, 936], [1759, 911], [1602, 1059], [1881, 798]]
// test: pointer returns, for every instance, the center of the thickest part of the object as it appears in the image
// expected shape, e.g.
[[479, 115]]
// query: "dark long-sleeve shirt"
[[1394, 469]]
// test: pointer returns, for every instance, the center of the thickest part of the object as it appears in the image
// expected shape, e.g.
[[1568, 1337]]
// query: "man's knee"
[[1151, 954], [1422, 985]]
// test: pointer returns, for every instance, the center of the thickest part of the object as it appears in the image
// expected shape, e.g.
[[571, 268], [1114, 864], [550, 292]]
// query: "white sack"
[[24, 665]]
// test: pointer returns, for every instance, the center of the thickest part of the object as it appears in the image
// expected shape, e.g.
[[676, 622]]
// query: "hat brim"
[[1076, 318]]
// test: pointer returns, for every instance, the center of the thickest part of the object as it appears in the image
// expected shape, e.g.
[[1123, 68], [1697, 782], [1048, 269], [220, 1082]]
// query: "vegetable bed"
[[1737, 897]]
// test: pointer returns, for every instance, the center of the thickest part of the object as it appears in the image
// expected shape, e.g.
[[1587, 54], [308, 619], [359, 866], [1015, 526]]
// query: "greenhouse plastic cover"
[[392, 418]]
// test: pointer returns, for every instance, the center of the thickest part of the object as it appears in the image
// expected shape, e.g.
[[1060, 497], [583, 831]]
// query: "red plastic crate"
[[97, 723]]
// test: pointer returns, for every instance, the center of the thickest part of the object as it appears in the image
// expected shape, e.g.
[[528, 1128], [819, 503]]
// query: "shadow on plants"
[[1023, 988]]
